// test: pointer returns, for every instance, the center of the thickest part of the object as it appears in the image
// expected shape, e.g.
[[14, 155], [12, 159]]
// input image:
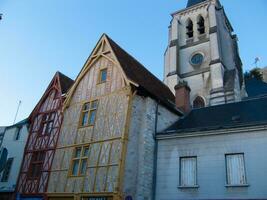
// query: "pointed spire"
[[193, 2]]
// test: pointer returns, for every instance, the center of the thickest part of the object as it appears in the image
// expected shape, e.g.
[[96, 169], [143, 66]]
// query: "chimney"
[[182, 96]]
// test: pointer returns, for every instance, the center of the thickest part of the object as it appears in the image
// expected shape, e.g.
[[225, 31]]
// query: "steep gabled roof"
[[137, 73], [65, 82], [133, 72], [246, 113]]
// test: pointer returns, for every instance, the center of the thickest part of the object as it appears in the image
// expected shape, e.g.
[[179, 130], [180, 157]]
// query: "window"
[[47, 123], [201, 25], [235, 169], [88, 114], [198, 103], [7, 170], [17, 133], [189, 28], [103, 75], [79, 161], [36, 164], [188, 172]]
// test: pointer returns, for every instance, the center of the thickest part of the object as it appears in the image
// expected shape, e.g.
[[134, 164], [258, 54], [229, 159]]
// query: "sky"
[[38, 38]]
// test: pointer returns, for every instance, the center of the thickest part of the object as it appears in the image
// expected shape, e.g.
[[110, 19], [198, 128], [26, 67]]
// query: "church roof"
[[256, 87], [193, 2], [246, 113]]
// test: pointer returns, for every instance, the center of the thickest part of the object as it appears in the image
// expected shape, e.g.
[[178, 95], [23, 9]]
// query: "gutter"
[[155, 154], [162, 136]]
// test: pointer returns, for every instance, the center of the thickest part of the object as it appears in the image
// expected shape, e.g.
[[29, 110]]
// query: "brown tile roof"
[[65, 82], [137, 73]]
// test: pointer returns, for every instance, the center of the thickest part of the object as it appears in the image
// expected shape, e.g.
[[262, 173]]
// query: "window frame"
[[35, 163], [6, 172], [88, 111], [100, 81], [189, 29], [79, 159], [201, 28], [47, 122], [245, 171], [180, 173]]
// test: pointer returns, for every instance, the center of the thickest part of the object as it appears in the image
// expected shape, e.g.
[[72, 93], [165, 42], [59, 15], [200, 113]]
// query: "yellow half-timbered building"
[[106, 145]]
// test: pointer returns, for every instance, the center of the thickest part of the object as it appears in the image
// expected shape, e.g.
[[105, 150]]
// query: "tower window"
[[198, 103], [189, 29], [201, 25]]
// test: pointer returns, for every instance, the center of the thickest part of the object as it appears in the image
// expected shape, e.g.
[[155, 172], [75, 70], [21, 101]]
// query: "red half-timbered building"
[[45, 123]]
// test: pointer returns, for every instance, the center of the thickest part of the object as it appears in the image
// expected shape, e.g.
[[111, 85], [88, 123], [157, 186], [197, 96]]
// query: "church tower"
[[203, 52]]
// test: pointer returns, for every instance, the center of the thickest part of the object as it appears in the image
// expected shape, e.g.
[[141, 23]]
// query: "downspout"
[[155, 154]]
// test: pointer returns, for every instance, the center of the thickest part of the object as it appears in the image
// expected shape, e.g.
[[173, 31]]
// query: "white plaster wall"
[[15, 150], [139, 165], [211, 172]]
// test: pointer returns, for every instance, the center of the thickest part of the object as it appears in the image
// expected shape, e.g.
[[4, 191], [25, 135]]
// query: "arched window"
[[201, 25], [198, 102], [189, 28]]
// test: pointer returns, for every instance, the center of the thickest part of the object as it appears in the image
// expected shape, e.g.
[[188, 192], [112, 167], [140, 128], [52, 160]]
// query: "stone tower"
[[203, 51]]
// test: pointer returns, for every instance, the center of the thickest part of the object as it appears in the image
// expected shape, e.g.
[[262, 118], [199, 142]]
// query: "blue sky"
[[37, 38]]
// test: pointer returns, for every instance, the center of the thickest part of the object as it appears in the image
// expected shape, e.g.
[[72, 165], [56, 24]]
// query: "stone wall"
[[139, 166]]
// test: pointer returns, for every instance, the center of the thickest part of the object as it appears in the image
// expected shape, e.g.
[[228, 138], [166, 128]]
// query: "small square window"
[[103, 75], [235, 169], [188, 171]]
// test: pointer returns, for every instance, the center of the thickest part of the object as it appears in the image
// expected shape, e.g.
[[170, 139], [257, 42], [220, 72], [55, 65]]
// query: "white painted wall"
[[15, 150], [211, 171]]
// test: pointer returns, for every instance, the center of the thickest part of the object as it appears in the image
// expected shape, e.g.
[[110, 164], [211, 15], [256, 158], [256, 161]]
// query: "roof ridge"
[[144, 68]]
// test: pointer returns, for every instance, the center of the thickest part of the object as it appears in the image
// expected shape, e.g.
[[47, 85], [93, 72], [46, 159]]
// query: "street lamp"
[[1, 16]]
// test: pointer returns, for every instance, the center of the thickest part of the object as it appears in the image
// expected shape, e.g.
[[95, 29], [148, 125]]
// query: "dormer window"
[[189, 29], [201, 25]]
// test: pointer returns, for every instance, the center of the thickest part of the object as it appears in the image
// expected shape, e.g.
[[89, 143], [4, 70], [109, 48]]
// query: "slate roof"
[[65, 82], [256, 88], [242, 114], [193, 2], [137, 73], [19, 124]]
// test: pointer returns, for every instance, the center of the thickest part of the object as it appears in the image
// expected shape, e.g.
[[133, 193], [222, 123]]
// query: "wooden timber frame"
[[43, 138], [107, 139]]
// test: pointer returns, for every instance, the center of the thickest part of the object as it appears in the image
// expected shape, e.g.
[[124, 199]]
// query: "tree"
[[254, 73]]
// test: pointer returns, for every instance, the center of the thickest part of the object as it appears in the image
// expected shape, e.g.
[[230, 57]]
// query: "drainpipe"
[[155, 154]]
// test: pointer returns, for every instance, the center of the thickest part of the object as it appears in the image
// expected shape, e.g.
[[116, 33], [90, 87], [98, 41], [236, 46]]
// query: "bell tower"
[[203, 51]]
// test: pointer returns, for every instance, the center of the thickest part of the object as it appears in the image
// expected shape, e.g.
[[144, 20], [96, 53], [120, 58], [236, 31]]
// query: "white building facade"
[[14, 141]]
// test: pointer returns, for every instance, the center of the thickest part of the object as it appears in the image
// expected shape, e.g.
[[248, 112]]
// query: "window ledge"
[[241, 185], [189, 187]]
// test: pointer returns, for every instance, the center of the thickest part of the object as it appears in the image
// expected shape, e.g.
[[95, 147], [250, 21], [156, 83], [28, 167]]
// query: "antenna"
[[257, 60], [17, 112]]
